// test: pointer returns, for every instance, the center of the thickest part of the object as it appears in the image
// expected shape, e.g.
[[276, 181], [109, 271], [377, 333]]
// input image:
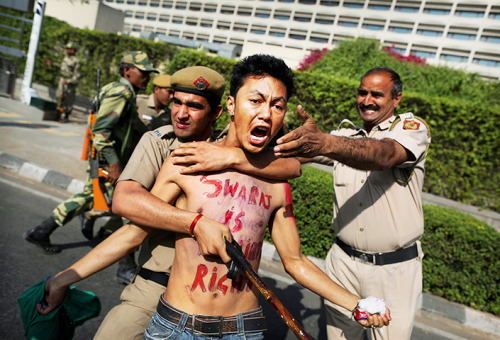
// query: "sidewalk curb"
[[433, 304], [40, 174]]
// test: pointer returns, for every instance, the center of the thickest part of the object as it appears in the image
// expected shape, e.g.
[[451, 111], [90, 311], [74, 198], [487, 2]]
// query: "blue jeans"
[[159, 328]]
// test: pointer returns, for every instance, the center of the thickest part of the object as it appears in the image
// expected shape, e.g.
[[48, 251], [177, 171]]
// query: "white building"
[[461, 34], [93, 15]]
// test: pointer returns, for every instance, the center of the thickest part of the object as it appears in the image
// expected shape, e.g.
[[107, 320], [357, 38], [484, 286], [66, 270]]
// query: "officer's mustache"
[[368, 107]]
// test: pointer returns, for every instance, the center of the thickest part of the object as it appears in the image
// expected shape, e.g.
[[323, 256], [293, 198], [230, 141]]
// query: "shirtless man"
[[244, 206]]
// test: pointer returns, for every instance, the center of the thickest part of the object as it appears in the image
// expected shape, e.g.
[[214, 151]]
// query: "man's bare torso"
[[198, 284]]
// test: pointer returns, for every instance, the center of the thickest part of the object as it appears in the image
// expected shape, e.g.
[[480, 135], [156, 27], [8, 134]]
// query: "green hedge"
[[462, 254]]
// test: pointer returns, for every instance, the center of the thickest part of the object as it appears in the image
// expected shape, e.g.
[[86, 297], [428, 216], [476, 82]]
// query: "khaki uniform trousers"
[[129, 319], [399, 284]]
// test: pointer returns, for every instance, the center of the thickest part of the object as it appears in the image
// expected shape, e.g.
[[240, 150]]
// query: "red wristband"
[[193, 224]]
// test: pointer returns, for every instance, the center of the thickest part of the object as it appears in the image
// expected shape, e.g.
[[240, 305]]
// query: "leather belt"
[[160, 278], [215, 326], [380, 259]]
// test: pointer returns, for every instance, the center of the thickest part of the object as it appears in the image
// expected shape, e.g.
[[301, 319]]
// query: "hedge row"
[[462, 254]]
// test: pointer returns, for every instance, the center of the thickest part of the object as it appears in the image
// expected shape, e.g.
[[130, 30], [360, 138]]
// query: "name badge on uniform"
[[411, 125]]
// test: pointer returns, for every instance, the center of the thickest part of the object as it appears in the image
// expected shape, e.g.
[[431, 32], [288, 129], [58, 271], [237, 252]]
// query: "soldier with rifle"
[[70, 76], [112, 144]]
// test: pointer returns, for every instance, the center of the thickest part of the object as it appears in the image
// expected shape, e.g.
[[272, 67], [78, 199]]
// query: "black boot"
[[39, 236], [87, 225], [126, 269]]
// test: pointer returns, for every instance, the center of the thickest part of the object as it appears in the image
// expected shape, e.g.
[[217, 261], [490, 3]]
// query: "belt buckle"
[[217, 317], [369, 258]]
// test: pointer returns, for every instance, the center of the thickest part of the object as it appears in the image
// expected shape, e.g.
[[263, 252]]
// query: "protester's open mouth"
[[259, 134]]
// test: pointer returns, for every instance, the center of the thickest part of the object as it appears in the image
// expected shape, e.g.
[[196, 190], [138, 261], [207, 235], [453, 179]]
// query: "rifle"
[[239, 261], [101, 201]]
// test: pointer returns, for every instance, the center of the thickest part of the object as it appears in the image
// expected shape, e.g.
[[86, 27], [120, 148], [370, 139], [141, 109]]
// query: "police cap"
[[199, 80], [162, 81]]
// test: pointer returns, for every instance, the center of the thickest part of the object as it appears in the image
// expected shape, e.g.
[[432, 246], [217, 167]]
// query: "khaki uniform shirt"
[[146, 109], [157, 252], [372, 211]]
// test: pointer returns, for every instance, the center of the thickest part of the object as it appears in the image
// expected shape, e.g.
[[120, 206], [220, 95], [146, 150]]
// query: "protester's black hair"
[[397, 83], [261, 65]]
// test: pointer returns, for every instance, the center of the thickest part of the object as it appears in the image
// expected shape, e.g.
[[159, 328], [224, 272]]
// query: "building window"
[[488, 39], [494, 16], [328, 3], [288, 1], [398, 29], [347, 23], [429, 33], [373, 27], [167, 4], [378, 7], [151, 17], [277, 32], [240, 27], [154, 4], [256, 29], [302, 17], [324, 19], [164, 18], [423, 54], [469, 14], [210, 8], [486, 62], [453, 58], [143, 3], [307, 2], [281, 15], [175, 34], [461, 36], [297, 35], [318, 40], [139, 15], [227, 10], [195, 6], [436, 11], [262, 13], [244, 11], [136, 28], [177, 20], [129, 14], [181, 5], [206, 23], [120, 1], [223, 25], [192, 21], [353, 4], [406, 9]]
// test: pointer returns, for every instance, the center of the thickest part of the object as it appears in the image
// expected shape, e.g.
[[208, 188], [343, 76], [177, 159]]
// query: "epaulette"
[[410, 122], [165, 131]]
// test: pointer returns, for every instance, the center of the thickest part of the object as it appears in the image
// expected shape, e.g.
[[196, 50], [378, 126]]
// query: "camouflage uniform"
[[114, 140], [65, 94]]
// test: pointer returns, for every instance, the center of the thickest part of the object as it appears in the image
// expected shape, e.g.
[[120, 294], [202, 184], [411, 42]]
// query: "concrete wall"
[[91, 15]]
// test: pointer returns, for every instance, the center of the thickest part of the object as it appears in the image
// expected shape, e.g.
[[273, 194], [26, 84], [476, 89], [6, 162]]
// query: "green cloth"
[[78, 306]]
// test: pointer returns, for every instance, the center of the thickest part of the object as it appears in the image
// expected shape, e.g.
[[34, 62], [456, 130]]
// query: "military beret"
[[70, 46], [139, 59], [199, 80], [162, 81]]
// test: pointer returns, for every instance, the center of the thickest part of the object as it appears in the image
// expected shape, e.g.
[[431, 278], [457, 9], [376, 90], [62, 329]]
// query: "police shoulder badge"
[[201, 84], [411, 125]]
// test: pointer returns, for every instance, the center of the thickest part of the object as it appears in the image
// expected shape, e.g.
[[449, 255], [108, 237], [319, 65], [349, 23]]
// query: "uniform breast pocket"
[[345, 176]]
